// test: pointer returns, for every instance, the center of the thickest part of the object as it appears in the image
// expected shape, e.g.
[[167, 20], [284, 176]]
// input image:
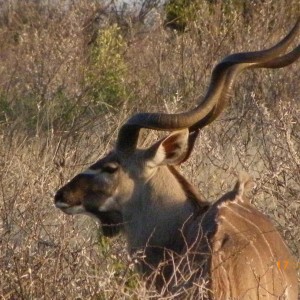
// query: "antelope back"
[[246, 249]]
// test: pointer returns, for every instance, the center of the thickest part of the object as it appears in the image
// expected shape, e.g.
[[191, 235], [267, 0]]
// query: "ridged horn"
[[213, 103]]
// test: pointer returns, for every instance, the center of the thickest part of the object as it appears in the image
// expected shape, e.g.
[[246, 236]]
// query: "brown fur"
[[177, 239], [228, 246]]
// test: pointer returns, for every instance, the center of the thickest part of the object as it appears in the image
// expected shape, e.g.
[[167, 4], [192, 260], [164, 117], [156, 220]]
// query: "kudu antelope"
[[140, 192]]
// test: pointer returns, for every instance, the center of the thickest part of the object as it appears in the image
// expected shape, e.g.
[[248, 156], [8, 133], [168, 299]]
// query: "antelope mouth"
[[61, 205], [70, 210]]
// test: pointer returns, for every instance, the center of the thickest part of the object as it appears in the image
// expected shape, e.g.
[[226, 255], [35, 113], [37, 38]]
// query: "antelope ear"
[[172, 150]]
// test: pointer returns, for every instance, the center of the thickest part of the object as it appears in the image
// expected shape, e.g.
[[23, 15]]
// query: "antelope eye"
[[110, 168]]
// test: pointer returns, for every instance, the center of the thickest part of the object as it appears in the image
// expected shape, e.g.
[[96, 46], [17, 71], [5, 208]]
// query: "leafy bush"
[[58, 99], [107, 69]]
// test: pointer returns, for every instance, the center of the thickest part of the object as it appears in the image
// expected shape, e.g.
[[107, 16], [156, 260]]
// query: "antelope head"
[[103, 189], [110, 188], [139, 191]]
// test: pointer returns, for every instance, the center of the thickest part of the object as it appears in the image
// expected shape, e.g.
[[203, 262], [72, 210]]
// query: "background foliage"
[[70, 75]]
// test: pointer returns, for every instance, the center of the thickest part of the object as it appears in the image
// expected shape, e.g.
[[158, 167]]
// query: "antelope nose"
[[59, 200], [58, 196]]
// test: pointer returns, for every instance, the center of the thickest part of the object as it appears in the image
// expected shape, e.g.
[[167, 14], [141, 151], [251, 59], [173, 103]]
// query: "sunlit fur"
[[229, 246], [163, 217]]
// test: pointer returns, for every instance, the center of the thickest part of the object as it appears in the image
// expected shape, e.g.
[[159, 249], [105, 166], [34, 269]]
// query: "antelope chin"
[[70, 210]]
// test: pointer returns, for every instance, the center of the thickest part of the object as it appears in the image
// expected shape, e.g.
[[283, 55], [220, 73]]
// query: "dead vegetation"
[[64, 94]]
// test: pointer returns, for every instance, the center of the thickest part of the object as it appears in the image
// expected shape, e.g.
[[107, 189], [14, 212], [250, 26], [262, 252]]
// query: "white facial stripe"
[[90, 172]]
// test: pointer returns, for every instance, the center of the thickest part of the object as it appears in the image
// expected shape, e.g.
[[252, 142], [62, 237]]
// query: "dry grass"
[[43, 57]]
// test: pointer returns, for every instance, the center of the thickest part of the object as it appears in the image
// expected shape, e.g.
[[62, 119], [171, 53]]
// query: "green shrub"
[[5, 109], [179, 13], [105, 76]]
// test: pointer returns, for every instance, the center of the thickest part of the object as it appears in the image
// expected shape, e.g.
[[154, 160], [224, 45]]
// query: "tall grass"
[[52, 126]]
